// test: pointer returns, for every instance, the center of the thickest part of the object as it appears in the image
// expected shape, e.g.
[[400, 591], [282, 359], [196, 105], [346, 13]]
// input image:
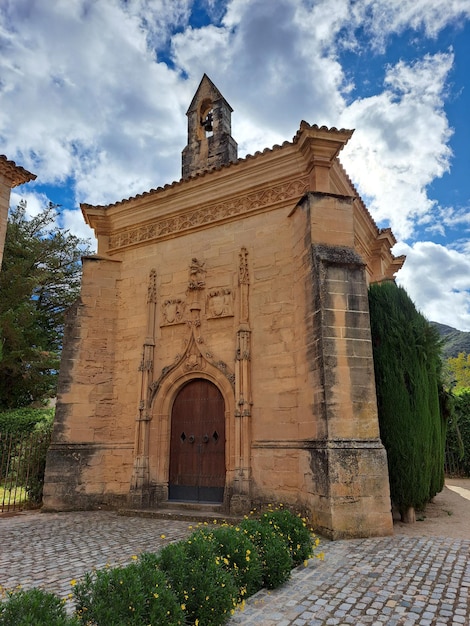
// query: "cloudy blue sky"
[[93, 95]]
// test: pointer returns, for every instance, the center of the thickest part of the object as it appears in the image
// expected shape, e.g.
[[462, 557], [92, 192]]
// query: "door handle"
[[191, 438]]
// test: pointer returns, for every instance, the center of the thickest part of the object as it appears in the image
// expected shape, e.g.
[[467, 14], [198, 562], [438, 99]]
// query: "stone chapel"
[[220, 351]]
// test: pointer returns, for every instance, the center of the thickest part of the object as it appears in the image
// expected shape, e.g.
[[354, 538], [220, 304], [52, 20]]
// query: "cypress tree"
[[407, 373]]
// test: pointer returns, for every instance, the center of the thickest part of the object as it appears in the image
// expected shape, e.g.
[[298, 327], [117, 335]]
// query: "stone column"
[[240, 501], [140, 489]]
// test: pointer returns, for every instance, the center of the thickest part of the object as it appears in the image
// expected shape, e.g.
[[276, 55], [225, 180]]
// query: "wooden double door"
[[197, 444]]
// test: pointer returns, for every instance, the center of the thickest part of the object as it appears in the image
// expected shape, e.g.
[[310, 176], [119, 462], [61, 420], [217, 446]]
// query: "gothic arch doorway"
[[197, 444]]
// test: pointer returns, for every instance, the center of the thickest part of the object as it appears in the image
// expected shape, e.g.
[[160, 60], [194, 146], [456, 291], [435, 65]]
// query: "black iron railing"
[[22, 464]]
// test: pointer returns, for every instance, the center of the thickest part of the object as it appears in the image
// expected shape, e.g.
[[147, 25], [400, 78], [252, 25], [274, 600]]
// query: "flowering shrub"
[[239, 556], [206, 591], [127, 596], [35, 606], [293, 530], [273, 551]]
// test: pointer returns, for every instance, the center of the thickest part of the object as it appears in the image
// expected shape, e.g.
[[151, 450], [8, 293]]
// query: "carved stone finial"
[[243, 276], [152, 287]]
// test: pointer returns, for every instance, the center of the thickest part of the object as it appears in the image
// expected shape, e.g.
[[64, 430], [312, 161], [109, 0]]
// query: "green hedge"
[[407, 367], [25, 420]]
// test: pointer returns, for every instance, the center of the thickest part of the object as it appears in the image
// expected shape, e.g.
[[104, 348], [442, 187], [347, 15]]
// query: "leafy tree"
[[410, 399], [39, 280], [458, 436], [459, 369]]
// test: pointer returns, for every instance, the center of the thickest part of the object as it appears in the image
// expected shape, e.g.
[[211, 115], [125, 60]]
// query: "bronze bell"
[[207, 123]]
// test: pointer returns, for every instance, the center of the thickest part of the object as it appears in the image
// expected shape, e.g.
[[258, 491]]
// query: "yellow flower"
[[305, 562], [155, 595], [73, 582], [134, 557], [183, 607], [162, 536]]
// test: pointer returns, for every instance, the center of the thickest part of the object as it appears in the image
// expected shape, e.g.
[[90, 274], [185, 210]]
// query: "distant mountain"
[[455, 341]]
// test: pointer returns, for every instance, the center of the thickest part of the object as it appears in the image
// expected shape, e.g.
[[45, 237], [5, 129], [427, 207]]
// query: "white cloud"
[[82, 96], [438, 280], [401, 141], [382, 18], [97, 106], [96, 92], [35, 202], [274, 67], [73, 221], [69, 219]]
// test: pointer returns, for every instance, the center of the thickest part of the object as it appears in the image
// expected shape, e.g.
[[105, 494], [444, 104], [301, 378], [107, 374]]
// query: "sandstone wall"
[[311, 440]]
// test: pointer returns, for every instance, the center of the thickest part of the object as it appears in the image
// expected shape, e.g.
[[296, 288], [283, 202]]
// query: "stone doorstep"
[[185, 512]]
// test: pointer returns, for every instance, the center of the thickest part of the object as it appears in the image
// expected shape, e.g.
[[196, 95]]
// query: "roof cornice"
[[16, 174]]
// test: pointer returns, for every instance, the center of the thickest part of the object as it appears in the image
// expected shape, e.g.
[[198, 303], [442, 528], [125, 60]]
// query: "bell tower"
[[210, 143]]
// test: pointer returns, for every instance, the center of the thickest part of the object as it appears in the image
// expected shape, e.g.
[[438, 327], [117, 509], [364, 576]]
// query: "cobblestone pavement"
[[399, 581], [50, 549]]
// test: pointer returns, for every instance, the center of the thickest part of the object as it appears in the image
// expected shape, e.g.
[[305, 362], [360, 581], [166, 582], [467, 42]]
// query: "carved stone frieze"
[[220, 303], [236, 207]]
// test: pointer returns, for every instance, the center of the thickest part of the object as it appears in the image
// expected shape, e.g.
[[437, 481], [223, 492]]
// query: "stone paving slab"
[[399, 581]]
